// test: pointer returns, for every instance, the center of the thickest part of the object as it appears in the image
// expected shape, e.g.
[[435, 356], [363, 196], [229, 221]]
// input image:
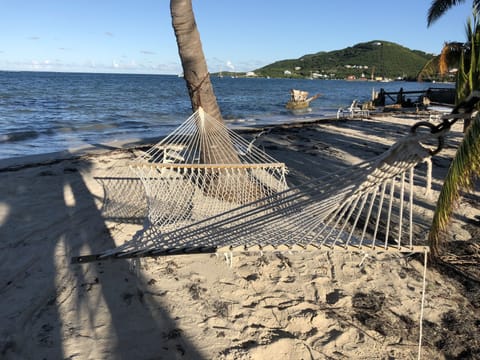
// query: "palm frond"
[[468, 76], [463, 169], [429, 70], [476, 6], [439, 7], [450, 56], [468, 28], [462, 84]]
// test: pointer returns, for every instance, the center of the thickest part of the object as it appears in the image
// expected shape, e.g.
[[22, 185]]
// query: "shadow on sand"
[[48, 215]]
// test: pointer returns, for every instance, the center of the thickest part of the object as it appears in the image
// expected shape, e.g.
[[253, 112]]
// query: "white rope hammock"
[[245, 205], [191, 207], [367, 206]]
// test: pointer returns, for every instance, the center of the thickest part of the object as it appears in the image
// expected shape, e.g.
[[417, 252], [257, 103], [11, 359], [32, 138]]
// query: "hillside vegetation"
[[374, 59]]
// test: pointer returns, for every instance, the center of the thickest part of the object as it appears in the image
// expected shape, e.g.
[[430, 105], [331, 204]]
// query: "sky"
[[136, 36]]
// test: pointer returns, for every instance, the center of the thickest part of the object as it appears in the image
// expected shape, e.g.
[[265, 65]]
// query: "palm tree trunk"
[[196, 74], [200, 89], [195, 69]]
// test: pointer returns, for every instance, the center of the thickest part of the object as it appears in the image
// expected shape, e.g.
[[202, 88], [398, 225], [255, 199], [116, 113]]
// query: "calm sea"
[[47, 112]]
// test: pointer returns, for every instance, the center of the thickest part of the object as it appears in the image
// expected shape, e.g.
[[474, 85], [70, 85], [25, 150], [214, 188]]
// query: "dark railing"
[[437, 96]]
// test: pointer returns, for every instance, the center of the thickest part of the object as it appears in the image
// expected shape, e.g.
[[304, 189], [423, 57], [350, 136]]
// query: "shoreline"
[[132, 143], [129, 144]]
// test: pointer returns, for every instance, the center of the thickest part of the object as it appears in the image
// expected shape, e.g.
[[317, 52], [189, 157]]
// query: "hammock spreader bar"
[[143, 253], [245, 250]]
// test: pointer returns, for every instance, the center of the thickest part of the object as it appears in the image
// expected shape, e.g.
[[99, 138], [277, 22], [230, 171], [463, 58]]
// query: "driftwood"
[[299, 99]]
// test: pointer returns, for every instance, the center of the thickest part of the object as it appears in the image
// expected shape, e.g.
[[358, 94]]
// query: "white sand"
[[325, 305]]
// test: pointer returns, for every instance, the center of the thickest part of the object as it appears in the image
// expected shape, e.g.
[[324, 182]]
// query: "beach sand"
[[312, 305]]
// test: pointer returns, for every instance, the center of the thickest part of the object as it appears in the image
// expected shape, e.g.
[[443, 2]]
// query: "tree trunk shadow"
[[51, 309]]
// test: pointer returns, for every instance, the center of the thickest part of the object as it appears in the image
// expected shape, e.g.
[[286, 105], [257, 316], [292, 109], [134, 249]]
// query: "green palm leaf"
[[464, 167], [440, 7]]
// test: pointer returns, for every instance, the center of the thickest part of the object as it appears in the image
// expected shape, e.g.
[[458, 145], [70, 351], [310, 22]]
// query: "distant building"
[[250, 74], [287, 72]]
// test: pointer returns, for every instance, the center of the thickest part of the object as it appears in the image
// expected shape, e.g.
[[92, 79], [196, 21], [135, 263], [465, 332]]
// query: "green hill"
[[376, 58]]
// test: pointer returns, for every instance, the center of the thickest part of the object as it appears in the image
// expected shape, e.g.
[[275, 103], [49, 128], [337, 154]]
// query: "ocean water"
[[47, 112]]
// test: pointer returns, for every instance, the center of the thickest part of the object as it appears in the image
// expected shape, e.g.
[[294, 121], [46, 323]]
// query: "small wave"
[[238, 121], [133, 124], [18, 136], [95, 127]]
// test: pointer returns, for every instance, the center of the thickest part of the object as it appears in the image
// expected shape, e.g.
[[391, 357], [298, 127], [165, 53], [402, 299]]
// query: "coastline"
[[310, 305], [101, 114], [130, 144]]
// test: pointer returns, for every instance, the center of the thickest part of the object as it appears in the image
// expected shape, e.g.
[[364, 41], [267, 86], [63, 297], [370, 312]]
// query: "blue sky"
[[137, 36]]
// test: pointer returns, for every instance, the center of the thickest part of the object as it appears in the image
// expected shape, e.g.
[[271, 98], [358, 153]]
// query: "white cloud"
[[216, 64], [230, 65], [41, 65], [90, 65]]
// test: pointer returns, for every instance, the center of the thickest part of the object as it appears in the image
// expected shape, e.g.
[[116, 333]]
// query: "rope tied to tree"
[[194, 88], [463, 110]]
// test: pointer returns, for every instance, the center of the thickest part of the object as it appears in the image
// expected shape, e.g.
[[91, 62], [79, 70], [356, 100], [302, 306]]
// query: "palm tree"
[[440, 65], [464, 57], [468, 76], [465, 165], [194, 65], [196, 75], [200, 89]]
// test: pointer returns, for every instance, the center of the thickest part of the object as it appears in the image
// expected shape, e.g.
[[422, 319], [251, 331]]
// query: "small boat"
[[300, 100]]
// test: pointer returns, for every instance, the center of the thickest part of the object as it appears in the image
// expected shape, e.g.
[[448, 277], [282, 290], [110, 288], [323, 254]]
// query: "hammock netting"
[[199, 170], [124, 200], [246, 205], [202, 169]]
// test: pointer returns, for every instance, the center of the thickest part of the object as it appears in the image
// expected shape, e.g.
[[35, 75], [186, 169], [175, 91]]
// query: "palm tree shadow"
[[52, 309]]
